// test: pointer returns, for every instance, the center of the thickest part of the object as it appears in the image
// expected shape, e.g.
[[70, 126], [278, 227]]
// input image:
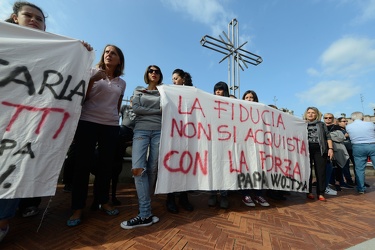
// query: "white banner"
[[43, 80], [210, 142]]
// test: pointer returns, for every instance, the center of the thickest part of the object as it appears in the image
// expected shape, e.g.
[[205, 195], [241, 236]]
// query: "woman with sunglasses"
[[320, 147], [146, 139]]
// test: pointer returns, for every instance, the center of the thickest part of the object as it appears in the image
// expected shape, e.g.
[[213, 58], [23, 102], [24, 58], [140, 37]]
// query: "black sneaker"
[[137, 222]]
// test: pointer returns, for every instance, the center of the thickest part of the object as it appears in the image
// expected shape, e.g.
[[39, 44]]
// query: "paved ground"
[[344, 221]]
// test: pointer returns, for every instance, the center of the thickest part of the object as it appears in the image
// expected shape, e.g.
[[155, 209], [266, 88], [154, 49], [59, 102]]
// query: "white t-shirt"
[[101, 103]]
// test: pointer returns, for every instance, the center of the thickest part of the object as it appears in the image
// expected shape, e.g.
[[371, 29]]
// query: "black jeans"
[[88, 136], [68, 165], [320, 162]]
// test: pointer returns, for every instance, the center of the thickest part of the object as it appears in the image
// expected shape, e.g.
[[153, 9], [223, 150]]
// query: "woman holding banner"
[[146, 140], [220, 89], [98, 126], [28, 15], [320, 148], [179, 77], [251, 96]]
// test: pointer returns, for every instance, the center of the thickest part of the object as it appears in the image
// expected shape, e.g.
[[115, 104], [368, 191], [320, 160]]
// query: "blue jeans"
[[145, 153], [346, 173], [329, 171], [8, 208], [361, 152]]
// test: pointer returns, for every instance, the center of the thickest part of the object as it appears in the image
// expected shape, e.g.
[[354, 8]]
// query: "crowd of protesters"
[[100, 141]]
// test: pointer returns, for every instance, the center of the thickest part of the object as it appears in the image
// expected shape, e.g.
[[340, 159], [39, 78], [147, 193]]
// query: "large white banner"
[[218, 143], [43, 80]]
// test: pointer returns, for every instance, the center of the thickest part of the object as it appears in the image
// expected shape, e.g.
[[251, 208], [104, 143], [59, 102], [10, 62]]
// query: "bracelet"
[[330, 148]]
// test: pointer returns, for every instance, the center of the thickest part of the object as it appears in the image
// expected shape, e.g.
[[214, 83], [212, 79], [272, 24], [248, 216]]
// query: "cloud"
[[367, 9], [344, 70], [327, 93], [349, 56], [209, 12], [313, 72]]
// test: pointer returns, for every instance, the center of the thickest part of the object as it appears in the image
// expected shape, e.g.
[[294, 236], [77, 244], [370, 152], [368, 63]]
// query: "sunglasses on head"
[[156, 71]]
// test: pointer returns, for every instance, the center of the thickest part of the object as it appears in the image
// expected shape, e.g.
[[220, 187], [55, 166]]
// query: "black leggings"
[[319, 162]]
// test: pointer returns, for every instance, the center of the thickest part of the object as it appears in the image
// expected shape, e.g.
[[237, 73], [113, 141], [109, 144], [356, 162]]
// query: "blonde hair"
[[318, 113]]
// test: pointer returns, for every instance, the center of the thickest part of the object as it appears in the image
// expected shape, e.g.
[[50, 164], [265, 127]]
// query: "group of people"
[[100, 141], [333, 144]]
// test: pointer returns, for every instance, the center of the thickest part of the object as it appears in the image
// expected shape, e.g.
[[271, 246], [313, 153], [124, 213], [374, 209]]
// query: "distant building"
[[285, 110], [367, 118]]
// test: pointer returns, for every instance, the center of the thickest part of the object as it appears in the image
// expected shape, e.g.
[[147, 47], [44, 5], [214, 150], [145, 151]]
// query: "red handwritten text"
[[186, 162], [45, 112]]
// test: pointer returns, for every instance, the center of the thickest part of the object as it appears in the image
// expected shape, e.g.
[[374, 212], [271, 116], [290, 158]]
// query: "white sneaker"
[[155, 219], [330, 191]]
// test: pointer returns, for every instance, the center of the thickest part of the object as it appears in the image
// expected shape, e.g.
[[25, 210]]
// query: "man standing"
[[362, 136]]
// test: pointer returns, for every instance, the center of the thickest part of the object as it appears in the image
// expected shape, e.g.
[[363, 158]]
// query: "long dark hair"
[[255, 96], [17, 6], [185, 76], [223, 86]]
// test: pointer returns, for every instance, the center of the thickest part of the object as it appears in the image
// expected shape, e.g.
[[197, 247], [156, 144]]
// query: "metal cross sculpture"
[[238, 57]]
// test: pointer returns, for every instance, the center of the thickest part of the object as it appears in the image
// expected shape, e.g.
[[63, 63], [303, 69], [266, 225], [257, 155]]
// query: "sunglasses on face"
[[156, 71], [328, 117]]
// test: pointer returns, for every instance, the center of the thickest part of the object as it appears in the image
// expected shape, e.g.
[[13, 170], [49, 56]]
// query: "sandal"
[[74, 222], [321, 198], [310, 196], [110, 212]]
